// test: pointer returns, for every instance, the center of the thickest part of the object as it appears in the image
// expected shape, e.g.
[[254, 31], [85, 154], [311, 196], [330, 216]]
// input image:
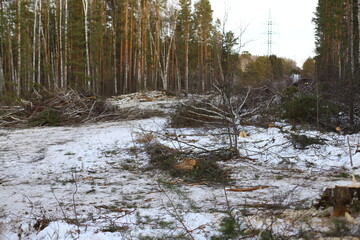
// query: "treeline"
[[110, 47], [337, 47], [255, 70]]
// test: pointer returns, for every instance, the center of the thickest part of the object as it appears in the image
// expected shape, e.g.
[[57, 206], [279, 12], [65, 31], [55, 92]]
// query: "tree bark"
[[61, 49], [126, 48], [186, 50], [18, 70], [66, 45], [86, 8], [2, 79], [342, 198], [39, 82]]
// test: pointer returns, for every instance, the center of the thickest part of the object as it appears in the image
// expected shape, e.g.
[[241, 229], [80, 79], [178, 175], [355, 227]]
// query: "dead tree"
[[227, 107]]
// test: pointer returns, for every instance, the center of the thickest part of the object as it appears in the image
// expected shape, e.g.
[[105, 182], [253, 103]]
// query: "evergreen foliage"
[[106, 47], [116, 47], [337, 47]]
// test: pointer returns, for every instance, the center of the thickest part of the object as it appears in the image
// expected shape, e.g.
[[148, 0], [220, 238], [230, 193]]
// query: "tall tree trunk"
[[177, 76], [39, 82], [103, 54], [2, 79], [57, 51], [353, 54], [350, 60], [36, 4], [61, 48], [206, 64], [114, 47], [201, 61], [157, 46], [126, 48], [131, 50], [11, 68], [18, 77], [144, 43], [139, 46], [186, 54], [66, 44], [356, 36], [2, 54], [87, 74], [46, 49]]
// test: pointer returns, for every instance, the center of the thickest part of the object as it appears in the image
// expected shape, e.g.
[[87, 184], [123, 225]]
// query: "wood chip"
[[243, 134], [187, 164]]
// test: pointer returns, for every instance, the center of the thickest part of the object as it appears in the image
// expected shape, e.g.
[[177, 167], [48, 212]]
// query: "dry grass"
[[145, 138]]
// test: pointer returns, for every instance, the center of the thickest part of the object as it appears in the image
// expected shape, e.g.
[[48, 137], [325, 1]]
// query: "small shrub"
[[229, 226], [355, 208], [302, 108], [266, 235], [306, 234], [47, 117], [342, 175], [230, 229], [338, 228], [303, 141], [9, 99], [115, 228]]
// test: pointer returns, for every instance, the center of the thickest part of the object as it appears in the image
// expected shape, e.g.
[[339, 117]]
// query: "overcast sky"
[[293, 30]]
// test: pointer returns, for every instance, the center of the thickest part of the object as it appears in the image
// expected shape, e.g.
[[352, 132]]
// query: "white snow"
[[90, 174]]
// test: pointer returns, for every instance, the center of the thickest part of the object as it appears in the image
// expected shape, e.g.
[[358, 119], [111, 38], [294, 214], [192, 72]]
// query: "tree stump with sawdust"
[[342, 198]]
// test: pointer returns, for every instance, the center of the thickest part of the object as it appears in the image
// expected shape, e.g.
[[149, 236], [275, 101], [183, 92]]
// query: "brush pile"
[[64, 108]]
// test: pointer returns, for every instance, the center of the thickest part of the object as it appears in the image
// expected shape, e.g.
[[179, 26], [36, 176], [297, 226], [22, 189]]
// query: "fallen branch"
[[167, 137], [350, 154], [175, 213], [246, 189]]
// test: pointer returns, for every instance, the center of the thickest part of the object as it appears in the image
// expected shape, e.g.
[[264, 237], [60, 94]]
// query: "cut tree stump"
[[342, 198]]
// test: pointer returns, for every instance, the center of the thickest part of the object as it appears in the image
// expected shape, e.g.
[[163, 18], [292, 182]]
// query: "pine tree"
[[184, 22], [337, 41], [203, 19], [106, 46]]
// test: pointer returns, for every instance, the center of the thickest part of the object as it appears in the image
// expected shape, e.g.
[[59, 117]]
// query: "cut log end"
[[342, 198]]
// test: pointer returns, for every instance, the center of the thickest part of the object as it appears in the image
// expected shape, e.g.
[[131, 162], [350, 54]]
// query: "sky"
[[293, 30]]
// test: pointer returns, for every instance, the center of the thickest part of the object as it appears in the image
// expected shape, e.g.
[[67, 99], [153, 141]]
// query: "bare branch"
[[244, 101]]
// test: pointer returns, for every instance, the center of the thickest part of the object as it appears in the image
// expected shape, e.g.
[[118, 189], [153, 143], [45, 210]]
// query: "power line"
[[269, 33]]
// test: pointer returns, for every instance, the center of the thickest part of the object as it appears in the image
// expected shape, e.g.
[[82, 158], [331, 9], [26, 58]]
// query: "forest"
[[146, 119], [107, 48], [116, 47]]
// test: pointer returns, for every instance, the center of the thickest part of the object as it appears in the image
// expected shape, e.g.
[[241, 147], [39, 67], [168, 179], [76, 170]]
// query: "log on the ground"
[[342, 198]]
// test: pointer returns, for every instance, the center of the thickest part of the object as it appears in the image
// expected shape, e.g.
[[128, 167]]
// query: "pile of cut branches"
[[63, 108]]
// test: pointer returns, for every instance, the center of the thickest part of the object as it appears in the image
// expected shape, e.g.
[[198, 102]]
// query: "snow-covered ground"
[[92, 182]]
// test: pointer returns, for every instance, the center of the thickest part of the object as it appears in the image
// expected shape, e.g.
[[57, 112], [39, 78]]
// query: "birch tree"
[[66, 45], [107, 46], [86, 29]]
